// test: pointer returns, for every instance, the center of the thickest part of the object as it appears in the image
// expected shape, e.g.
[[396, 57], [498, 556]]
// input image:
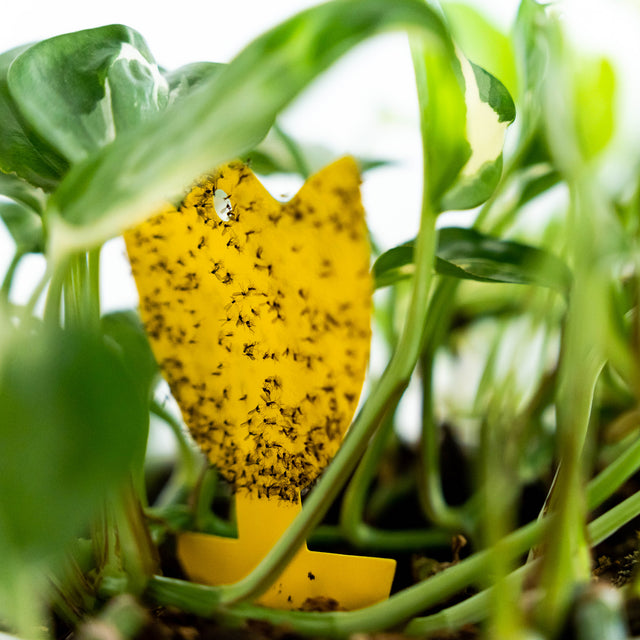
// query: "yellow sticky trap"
[[259, 315], [352, 581]]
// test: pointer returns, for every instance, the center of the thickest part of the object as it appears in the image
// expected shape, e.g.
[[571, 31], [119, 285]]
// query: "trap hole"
[[222, 205]]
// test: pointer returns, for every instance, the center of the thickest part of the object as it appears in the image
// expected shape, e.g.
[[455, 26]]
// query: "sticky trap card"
[[258, 313]]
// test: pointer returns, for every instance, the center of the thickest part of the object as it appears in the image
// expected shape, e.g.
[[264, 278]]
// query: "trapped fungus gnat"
[[259, 315], [260, 321]]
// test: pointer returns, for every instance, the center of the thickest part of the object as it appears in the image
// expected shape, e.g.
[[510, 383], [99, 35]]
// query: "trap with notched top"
[[260, 320]]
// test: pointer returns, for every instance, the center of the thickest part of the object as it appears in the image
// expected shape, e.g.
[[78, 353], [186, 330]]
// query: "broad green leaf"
[[71, 423], [127, 333], [20, 151], [184, 80], [483, 42], [228, 115], [470, 255], [17, 189], [79, 90], [490, 110], [443, 117], [24, 225]]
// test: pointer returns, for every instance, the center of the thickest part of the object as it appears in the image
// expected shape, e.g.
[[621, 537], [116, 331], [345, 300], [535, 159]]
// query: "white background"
[[365, 105]]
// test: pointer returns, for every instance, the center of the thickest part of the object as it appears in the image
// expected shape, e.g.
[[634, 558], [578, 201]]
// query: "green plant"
[[95, 139]]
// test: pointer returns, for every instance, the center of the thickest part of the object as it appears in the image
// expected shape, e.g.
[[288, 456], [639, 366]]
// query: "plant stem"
[[294, 150], [185, 478], [477, 608], [382, 399], [53, 304], [353, 504], [5, 290], [204, 601]]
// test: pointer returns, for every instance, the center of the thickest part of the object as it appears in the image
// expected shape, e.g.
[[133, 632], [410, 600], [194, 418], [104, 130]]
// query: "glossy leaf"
[[24, 225], [223, 119], [71, 422], [103, 80], [20, 152], [470, 255]]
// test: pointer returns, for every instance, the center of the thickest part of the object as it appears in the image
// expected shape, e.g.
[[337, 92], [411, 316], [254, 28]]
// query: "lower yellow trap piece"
[[353, 581]]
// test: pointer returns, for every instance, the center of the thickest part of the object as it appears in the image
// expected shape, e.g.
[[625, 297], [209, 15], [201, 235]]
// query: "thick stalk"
[[353, 506], [204, 601], [386, 393], [567, 560], [5, 290]]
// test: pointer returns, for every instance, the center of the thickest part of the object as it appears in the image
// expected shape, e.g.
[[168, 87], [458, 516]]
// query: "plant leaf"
[[471, 255], [184, 80], [102, 80], [223, 119], [24, 225], [20, 152], [127, 333], [483, 42], [490, 110], [21, 191], [71, 424], [443, 117]]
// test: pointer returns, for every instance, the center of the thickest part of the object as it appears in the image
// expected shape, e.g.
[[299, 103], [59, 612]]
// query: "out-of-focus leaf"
[[594, 99], [20, 152], [470, 255], [538, 179], [17, 189], [443, 118], [532, 60], [226, 117], [24, 225], [490, 110], [79, 90], [72, 421], [125, 329], [273, 156], [185, 79]]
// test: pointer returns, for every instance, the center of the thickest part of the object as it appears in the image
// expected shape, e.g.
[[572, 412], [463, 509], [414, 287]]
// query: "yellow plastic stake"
[[352, 582], [258, 313]]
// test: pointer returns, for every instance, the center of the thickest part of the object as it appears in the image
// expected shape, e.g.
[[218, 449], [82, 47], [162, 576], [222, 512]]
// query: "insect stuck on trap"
[[278, 296]]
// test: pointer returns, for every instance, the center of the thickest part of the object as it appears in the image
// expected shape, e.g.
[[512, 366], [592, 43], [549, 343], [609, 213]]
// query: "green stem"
[[204, 601], [477, 608], [9, 275], [398, 608], [190, 464], [53, 304], [359, 532], [567, 560], [386, 393], [93, 283], [293, 148]]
